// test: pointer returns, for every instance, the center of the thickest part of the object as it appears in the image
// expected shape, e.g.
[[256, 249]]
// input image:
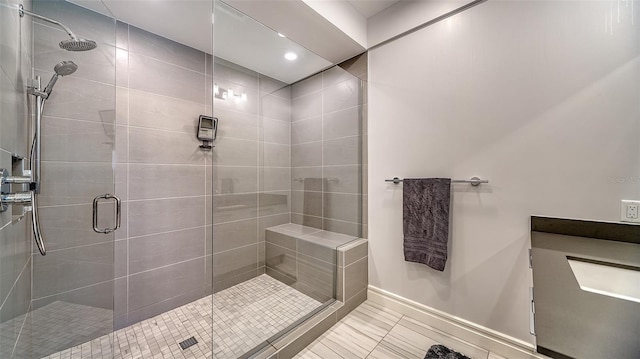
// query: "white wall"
[[539, 97], [406, 15], [343, 16]]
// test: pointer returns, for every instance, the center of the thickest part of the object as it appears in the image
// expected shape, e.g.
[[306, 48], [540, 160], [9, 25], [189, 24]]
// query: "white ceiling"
[[238, 38], [242, 40], [368, 8]]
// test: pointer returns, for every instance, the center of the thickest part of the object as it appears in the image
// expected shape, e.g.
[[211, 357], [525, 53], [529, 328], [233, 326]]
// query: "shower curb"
[[292, 343]]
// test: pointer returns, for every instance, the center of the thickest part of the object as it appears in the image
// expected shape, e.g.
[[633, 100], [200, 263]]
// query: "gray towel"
[[426, 220]]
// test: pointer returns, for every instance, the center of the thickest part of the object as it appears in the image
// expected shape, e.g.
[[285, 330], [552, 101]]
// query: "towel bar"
[[474, 181]]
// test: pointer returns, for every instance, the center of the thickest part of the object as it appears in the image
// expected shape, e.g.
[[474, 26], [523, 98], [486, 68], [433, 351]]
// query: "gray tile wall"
[[161, 175], [327, 135], [250, 172], [193, 221], [358, 67], [194, 218], [15, 233], [78, 141]]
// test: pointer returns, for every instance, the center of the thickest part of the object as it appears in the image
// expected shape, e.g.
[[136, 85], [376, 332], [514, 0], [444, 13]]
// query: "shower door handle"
[[95, 213]]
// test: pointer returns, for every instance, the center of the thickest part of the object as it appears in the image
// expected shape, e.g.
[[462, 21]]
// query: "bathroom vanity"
[[586, 278]]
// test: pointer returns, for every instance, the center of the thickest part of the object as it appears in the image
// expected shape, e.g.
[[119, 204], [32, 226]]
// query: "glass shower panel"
[[271, 268], [73, 285]]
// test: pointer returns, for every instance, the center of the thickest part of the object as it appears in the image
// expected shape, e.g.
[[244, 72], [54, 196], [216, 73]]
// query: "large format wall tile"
[[306, 106], [237, 125], [305, 155], [234, 262], [163, 215], [167, 282], [11, 104], [342, 123], [308, 130], [272, 203], [14, 255], [275, 155], [150, 110], [69, 226], [231, 235], [345, 94], [148, 44], [334, 75], [342, 151], [307, 202], [150, 75], [228, 72], [326, 153], [162, 181], [77, 141], [74, 183], [80, 99], [163, 147], [234, 207], [67, 269], [276, 107], [342, 206], [158, 250], [235, 152], [275, 131], [306, 86], [345, 179], [275, 178], [233, 179]]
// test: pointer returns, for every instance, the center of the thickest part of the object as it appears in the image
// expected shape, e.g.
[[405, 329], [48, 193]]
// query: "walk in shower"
[[206, 252]]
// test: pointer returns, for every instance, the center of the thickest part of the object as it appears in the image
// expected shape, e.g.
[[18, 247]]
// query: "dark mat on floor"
[[442, 352]]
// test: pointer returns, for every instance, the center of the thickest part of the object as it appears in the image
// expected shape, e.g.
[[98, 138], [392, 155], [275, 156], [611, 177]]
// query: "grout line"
[[16, 281], [383, 338], [128, 232], [328, 113], [167, 265], [73, 290], [322, 144], [130, 201], [26, 316]]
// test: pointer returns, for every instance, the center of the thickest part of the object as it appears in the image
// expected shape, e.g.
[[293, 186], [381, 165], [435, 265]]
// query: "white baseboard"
[[491, 340]]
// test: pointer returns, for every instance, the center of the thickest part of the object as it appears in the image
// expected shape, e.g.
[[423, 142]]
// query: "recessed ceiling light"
[[281, 35], [290, 56]]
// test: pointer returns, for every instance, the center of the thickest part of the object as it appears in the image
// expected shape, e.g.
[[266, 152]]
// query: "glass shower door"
[[74, 283]]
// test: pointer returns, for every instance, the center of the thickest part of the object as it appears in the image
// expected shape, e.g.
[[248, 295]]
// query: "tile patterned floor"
[[373, 332], [243, 316]]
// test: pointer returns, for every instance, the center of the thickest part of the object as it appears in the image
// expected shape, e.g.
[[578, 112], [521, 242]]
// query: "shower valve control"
[[6, 196]]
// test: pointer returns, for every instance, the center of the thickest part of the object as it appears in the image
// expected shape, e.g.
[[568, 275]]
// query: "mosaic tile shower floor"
[[243, 317]]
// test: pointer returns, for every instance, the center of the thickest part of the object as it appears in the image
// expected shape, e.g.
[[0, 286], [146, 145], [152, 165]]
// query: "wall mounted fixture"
[[474, 181], [227, 94], [74, 43], [207, 131]]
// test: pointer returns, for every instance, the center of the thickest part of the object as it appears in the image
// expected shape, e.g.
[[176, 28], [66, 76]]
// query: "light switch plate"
[[629, 211]]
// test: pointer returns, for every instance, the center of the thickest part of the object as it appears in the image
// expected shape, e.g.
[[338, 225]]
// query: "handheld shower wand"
[[63, 68], [73, 44]]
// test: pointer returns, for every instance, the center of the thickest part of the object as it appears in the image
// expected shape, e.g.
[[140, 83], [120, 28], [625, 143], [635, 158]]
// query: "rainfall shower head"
[[78, 44], [73, 44], [63, 68]]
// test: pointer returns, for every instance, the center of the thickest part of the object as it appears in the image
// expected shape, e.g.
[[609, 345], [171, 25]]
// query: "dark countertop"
[[612, 231]]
